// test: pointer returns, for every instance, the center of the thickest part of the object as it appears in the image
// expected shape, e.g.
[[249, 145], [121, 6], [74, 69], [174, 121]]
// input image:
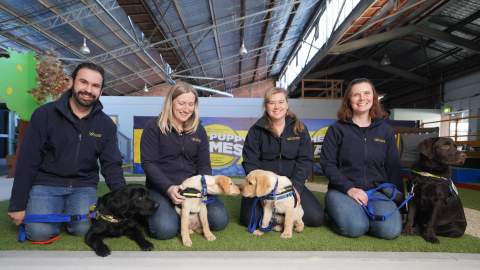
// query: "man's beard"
[[84, 103]]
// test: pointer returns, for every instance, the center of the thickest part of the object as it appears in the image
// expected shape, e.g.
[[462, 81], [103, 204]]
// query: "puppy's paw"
[[258, 233], [299, 227], [187, 242], [408, 231], [431, 239], [286, 235], [147, 246], [210, 237], [103, 251]]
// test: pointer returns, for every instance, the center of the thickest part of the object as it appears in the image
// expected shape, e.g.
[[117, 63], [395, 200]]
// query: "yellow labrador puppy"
[[193, 210], [260, 183]]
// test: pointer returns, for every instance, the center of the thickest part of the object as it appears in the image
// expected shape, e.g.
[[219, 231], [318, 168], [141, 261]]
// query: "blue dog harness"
[[194, 193], [372, 197], [254, 224]]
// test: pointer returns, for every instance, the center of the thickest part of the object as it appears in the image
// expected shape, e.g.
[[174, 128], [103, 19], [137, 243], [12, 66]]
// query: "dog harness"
[[453, 188], [51, 218], [272, 196], [195, 193], [372, 197]]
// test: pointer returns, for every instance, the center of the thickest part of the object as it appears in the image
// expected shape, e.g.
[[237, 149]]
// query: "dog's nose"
[[240, 186]]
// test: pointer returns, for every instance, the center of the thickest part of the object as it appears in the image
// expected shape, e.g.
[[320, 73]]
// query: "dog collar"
[[282, 194], [452, 186], [108, 218], [98, 215], [191, 193], [427, 174]]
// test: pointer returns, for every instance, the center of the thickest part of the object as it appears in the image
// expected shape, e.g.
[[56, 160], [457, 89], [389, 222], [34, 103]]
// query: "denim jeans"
[[349, 219], [165, 223], [58, 200]]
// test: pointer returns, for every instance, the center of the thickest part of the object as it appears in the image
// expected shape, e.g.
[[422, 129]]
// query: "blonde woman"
[[174, 147], [280, 142]]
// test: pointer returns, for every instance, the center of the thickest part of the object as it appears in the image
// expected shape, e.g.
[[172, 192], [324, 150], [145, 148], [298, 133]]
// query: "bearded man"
[[57, 170]]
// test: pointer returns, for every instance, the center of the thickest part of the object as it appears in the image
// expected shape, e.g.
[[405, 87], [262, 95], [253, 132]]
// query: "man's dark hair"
[[90, 66]]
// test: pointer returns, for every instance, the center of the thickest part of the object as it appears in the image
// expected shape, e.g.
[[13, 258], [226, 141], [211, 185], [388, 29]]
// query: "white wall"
[[127, 107], [424, 115], [464, 94]]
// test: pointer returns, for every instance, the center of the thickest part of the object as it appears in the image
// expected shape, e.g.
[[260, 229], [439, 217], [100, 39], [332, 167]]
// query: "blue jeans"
[[59, 200], [349, 219], [165, 223]]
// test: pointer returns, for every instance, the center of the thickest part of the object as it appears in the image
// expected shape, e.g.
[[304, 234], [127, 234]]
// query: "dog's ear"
[[224, 183], [426, 147], [119, 203], [264, 185]]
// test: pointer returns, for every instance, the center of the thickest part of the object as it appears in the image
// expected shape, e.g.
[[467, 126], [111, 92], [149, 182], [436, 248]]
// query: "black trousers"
[[313, 216]]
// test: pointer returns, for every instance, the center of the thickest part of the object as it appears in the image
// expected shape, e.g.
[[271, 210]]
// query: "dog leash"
[[254, 224], [49, 218], [372, 197]]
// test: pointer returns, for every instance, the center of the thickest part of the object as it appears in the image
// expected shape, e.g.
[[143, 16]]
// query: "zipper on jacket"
[[77, 152], [365, 159], [280, 156]]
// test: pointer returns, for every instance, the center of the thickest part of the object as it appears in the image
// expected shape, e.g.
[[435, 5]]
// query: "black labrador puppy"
[[118, 213], [436, 208]]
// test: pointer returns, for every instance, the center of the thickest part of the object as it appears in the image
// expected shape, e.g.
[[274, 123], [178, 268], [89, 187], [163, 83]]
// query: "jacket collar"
[[262, 122], [62, 105], [375, 122]]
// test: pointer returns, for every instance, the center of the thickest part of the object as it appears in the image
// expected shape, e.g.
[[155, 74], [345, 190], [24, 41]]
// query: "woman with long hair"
[[359, 154], [280, 142], [173, 148]]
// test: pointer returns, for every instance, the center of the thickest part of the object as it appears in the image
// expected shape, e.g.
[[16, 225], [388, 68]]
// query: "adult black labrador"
[[436, 208], [117, 214]]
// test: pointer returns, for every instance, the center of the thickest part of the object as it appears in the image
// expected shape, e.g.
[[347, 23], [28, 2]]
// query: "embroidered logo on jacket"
[[379, 140], [197, 140], [93, 134], [293, 138]]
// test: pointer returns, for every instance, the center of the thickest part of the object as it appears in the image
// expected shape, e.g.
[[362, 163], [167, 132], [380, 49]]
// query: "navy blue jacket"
[[168, 159], [61, 150], [289, 155], [352, 158]]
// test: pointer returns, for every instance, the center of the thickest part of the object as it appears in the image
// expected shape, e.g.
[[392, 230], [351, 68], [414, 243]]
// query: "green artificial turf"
[[235, 237]]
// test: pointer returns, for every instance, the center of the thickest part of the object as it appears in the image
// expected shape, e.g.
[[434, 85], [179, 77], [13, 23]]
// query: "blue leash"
[[371, 197], [254, 224], [49, 218]]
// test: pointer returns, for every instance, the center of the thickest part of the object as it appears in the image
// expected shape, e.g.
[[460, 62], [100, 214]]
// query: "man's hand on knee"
[[17, 217]]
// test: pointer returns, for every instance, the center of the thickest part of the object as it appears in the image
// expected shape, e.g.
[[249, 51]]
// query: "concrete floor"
[[27, 260]]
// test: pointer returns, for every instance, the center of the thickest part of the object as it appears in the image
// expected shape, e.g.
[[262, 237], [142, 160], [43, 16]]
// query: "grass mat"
[[235, 237]]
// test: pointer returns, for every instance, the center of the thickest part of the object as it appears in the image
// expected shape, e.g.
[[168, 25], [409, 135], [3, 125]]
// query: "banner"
[[226, 138]]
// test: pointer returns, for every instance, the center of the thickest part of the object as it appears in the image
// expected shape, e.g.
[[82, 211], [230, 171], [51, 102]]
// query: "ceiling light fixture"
[[385, 60], [145, 88], [243, 49], [84, 49]]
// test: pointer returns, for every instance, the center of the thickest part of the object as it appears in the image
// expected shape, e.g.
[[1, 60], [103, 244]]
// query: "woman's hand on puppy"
[[174, 194], [358, 195]]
